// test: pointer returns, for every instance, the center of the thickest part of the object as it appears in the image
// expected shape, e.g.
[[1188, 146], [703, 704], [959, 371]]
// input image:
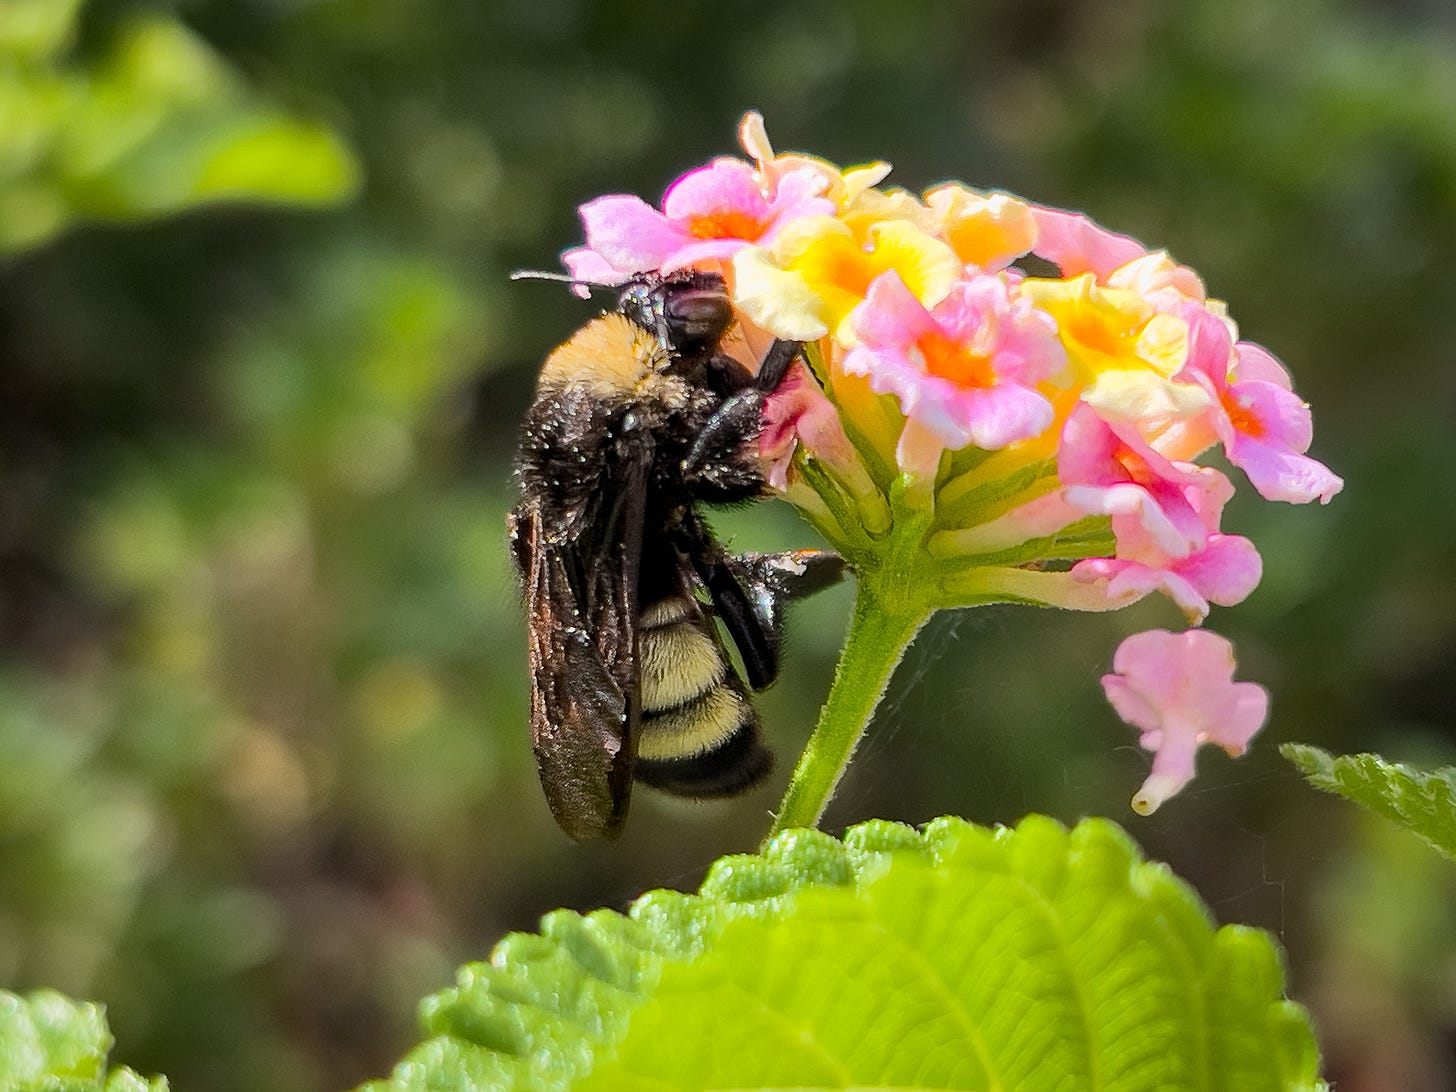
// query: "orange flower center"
[[1092, 329], [1136, 466], [848, 269], [957, 362], [1241, 417], [725, 224]]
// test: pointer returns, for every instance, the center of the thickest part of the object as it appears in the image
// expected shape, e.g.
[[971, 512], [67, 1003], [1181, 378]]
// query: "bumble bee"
[[638, 417]]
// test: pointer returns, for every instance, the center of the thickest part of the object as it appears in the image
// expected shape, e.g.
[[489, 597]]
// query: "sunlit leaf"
[[963, 958], [49, 1043]]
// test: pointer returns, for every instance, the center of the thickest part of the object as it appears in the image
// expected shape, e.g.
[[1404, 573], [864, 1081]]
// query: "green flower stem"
[[886, 619]]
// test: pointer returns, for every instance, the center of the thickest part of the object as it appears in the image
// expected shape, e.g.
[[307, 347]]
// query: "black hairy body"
[[637, 419]]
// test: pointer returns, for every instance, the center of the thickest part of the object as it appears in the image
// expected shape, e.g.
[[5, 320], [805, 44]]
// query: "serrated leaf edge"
[[664, 926]]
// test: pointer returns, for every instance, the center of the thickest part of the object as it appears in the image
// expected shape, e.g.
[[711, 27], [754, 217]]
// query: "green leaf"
[[960, 958], [1423, 803], [49, 1043]]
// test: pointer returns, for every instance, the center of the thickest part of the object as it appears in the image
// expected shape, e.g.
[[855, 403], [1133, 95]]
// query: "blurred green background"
[[264, 768]]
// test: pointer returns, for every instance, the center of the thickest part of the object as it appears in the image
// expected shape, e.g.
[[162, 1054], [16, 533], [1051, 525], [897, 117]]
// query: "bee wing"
[[581, 601]]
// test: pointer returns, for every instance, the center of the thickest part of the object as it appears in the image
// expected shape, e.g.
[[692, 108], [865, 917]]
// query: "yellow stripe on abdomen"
[[692, 703], [679, 663], [695, 728]]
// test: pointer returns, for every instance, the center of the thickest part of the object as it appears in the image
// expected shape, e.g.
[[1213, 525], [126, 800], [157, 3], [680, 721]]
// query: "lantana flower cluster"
[[1004, 402]]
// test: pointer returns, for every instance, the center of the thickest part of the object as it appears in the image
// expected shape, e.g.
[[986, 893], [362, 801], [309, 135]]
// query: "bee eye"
[[697, 316]]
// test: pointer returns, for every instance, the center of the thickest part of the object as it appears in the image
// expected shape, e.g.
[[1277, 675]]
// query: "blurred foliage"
[[264, 775], [155, 125], [1381, 958]]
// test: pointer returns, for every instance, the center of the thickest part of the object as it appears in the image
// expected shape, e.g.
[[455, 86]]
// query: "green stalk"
[[880, 631]]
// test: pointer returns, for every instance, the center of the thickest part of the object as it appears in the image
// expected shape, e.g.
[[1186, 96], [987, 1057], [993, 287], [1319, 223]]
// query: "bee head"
[[688, 310]]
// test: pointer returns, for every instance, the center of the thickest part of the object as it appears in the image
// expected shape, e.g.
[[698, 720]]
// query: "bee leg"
[[746, 608], [723, 465], [726, 376], [776, 363], [792, 574], [748, 593]]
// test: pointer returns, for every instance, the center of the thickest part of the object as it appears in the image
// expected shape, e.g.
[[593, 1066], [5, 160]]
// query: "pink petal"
[[1110, 470], [800, 192], [1076, 244], [998, 408], [1175, 530], [798, 412], [1273, 414], [1264, 426], [1258, 363], [1127, 582], [589, 266], [988, 417], [630, 235], [702, 254], [1093, 451], [971, 306], [1266, 440], [1087, 451], [1030, 349], [890, 315], [723, 186], [1130, 581], [1130, 704], [1210, 346], [1001, 415], [1283, 475], [1225, 571]]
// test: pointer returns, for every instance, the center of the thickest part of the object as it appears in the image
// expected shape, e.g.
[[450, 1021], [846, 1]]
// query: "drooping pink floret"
[[707, 215], [1264, 426], [1222, 569], [1108, 469], [1178, 689], [967, 369]]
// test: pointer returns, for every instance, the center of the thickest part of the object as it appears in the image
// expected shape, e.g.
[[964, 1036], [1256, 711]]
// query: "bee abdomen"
[[699, 733]]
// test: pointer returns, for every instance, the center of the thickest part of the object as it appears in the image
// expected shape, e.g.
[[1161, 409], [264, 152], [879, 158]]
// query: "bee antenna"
[[540, 275], [580, 287]]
